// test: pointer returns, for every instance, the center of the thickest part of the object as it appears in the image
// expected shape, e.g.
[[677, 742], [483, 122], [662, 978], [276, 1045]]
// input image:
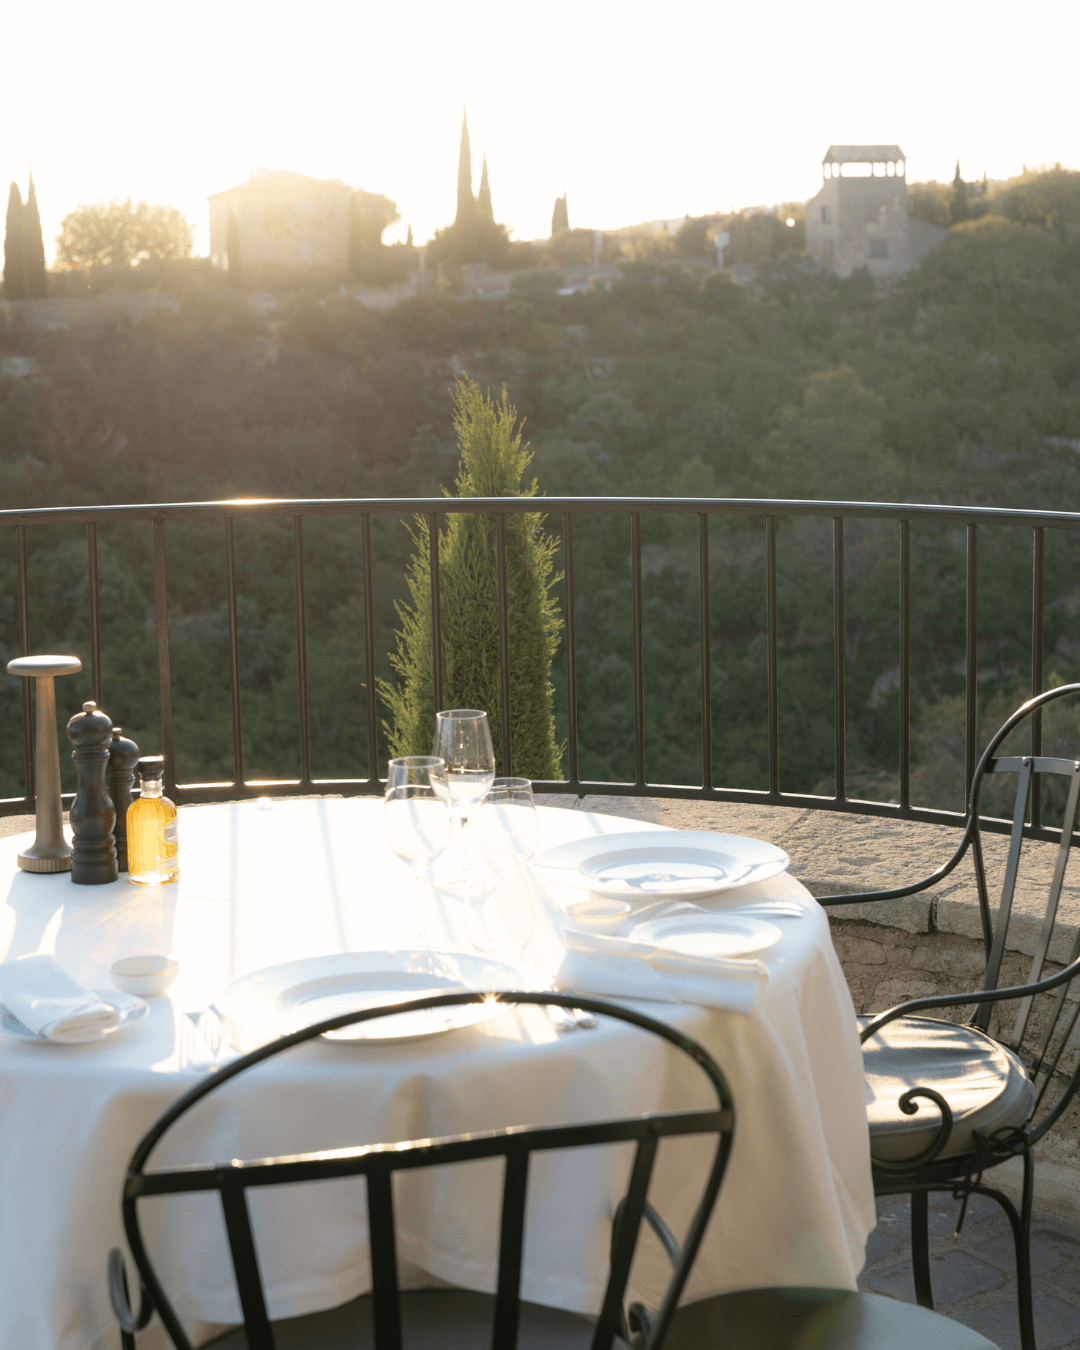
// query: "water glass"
[[416, 821], [504, 917], [506, 823]]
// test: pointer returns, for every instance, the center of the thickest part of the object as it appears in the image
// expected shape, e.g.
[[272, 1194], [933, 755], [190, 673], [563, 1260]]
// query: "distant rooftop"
[[862, 154], [282, 177]]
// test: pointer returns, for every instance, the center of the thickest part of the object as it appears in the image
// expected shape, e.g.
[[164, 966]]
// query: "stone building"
[[860, 216], [281, 217]]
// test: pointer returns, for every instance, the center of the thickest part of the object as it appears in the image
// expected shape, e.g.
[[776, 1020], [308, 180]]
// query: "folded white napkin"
[[51, 1003], [618, 967]]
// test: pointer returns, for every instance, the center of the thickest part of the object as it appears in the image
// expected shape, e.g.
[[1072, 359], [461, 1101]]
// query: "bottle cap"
[[151, 766]]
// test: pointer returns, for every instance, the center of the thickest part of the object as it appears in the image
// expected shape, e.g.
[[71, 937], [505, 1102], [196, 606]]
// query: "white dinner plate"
[[716, 934], [280, 999], [690, 864], [130, 1008]]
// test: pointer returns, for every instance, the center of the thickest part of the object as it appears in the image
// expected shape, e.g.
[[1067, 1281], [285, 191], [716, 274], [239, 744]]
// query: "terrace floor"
[[973, 1275]]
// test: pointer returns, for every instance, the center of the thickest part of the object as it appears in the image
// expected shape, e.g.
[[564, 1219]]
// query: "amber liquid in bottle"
[[153, 847]]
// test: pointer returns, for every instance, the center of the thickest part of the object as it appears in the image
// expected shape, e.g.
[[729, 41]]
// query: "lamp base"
[[50, 862]]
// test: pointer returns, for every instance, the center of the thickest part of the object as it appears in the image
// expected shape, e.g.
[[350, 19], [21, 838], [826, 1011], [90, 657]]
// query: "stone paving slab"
[[974, 1276]]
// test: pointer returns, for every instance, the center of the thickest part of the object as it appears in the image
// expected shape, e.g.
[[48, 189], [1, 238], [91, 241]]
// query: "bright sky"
[[638, 113]]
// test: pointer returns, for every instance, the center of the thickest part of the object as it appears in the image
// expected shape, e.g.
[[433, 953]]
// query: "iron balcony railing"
[[159, 517]]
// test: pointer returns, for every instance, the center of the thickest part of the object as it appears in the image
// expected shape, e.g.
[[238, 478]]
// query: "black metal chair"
[[451, 1319], [798, 1318], [991, 1091], [456, 1319]]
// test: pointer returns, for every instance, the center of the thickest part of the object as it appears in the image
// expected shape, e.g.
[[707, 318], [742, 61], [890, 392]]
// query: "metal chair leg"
[[920, 1248], [1021, 1233], [1022, 1241]]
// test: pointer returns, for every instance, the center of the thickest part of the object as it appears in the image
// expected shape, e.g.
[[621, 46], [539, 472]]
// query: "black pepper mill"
[[93, 816], [123, 756]]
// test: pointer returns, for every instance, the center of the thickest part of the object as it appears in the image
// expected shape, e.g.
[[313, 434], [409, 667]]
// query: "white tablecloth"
[[266, 882]]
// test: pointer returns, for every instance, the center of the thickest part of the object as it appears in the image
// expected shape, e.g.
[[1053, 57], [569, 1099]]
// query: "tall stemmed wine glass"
[[417, 821], [463, 741]]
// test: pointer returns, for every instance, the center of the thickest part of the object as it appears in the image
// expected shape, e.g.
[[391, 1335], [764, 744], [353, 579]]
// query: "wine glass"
[[505, 917], [463, 742], [416, 821]]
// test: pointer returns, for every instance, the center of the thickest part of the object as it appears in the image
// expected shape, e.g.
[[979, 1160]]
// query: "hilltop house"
[[281, 217], [860, 216]]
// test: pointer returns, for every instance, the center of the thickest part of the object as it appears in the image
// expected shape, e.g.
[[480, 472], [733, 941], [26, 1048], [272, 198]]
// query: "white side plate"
[[717, 934], [690, 864], [131, 1009], [273, 1002]]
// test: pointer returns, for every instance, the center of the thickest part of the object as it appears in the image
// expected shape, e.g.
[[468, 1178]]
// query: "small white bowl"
[[601, 913], [146, 976]]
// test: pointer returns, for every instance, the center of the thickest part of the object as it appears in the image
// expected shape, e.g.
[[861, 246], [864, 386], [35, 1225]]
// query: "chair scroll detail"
[[939, 1058]]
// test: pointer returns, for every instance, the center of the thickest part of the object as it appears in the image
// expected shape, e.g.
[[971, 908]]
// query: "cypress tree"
[[483, 199], [959, 207], [14, 251], [493, 460], [466, 203], [34, 246], [560, 221]]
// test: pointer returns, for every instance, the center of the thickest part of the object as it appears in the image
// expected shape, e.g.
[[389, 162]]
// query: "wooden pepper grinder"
[[92, 816], [123, 756]]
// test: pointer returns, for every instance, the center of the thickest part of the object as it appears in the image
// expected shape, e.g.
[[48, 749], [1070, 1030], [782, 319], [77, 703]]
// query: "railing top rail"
[[397, 506]]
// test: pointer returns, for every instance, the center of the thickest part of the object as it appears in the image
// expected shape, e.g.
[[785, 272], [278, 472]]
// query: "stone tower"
[[860, 218]]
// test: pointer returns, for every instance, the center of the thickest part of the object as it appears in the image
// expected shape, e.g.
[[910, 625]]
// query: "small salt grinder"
[[92, 816], [123, 756]]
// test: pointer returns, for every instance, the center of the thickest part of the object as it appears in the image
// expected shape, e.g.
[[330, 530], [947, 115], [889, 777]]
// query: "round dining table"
[[277, 880]]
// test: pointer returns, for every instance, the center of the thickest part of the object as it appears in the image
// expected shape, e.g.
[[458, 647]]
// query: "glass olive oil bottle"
[[153, 848]]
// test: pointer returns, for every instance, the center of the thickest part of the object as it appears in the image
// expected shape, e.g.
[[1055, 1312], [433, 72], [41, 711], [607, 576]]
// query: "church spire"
[[465, 200], [483, 199]]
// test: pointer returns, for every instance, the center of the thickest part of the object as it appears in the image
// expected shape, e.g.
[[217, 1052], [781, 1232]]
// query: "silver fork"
[[570, 1019], [562, 1019], [204, 1038]]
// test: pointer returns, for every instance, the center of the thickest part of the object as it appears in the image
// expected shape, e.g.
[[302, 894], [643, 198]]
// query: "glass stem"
[[421, 907], [466, 870]]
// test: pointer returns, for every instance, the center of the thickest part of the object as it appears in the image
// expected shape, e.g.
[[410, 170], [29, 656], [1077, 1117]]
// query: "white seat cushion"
[[984, 1083]]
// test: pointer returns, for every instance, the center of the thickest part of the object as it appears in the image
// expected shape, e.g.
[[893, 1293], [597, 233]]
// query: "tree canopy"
[[121, 234], [958, 383]]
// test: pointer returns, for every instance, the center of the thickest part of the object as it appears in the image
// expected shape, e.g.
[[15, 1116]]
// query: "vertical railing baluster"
[[971, 660], [706, 652], [571, 648], [301, 651], [1038, 597], [161, 607], [436, 610], [24, 643], [905, 664], [95, 619], [639, 652], [369, 653], [234, 655], [771, 648], [839, 661], [504, 639]]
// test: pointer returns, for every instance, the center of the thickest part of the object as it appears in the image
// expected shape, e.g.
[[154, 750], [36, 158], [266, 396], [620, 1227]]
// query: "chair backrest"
[[1031, 769], [377, 1163]]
